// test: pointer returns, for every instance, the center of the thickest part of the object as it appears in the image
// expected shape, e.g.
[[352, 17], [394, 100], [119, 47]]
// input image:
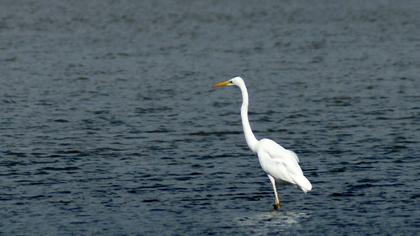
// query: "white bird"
[[277, 162]]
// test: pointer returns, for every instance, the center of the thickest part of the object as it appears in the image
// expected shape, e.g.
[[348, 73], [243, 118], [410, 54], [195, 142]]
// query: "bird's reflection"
[[280, 219]]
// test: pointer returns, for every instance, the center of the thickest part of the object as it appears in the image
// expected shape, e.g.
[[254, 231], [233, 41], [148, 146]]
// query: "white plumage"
[[282, 164], [278, 162]]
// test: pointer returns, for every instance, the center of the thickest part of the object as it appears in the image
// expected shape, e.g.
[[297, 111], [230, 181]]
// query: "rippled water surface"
[[109, 125]]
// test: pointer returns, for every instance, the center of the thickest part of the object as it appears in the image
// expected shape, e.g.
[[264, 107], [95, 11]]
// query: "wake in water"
[[266, 221]]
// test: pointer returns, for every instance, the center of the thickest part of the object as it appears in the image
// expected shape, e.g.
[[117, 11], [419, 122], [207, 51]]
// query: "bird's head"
[[234, 81]]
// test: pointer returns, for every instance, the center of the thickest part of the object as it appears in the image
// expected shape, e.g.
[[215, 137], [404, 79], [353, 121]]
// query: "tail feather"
[[303, 183]]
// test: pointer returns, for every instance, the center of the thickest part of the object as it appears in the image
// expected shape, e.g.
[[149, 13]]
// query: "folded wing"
[[282, 164]]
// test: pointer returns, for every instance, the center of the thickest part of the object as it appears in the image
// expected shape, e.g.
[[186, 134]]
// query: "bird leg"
[[277, 199]]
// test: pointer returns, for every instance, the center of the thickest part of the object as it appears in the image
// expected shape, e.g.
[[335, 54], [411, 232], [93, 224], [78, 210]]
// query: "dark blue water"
[[109, 125]]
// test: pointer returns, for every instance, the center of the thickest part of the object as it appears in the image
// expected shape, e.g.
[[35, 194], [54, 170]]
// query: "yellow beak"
[[222, 84]]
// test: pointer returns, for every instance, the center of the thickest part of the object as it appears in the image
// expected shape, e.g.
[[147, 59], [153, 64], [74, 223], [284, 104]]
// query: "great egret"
[[277, 162]]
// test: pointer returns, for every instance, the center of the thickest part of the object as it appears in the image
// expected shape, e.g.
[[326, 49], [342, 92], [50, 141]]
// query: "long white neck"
[[249, 136]]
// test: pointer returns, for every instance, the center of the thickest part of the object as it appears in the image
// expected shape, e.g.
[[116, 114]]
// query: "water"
[[109, 125]]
